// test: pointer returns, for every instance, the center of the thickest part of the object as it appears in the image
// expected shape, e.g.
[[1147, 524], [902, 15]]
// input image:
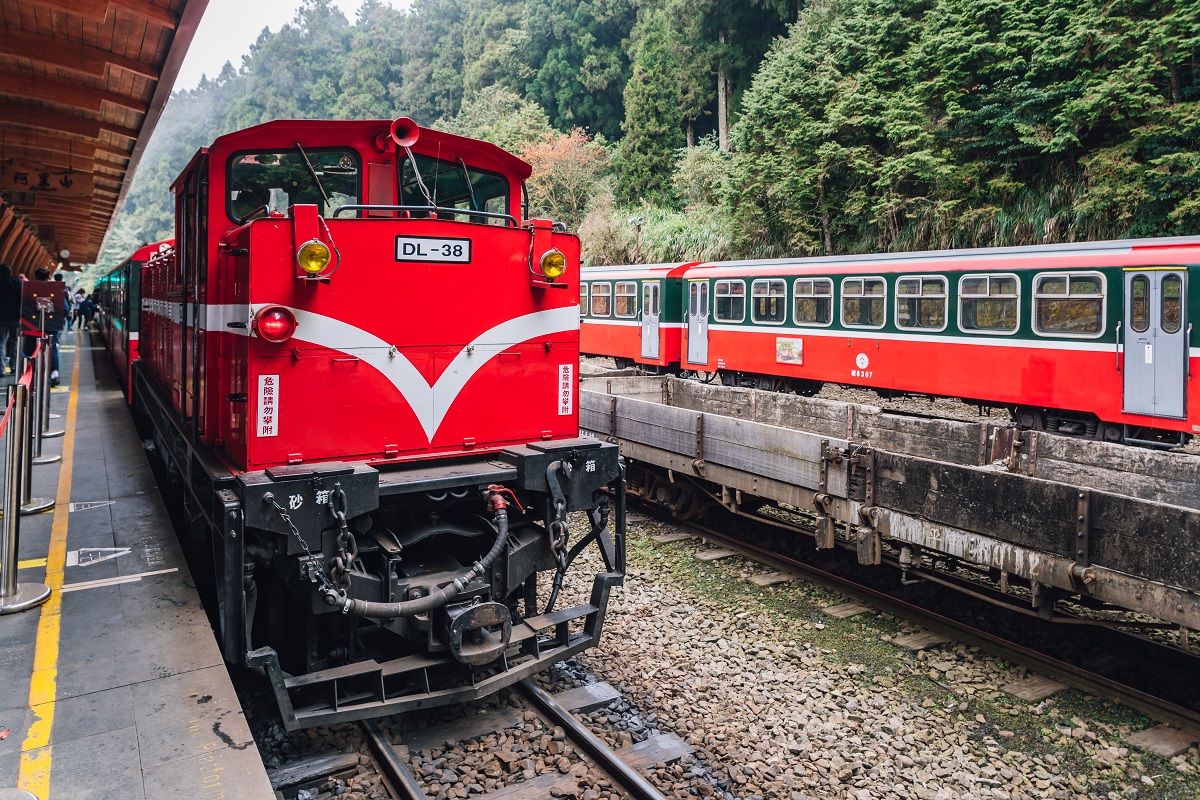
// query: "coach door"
[[1156, 347], [697, 350], [650, 313]]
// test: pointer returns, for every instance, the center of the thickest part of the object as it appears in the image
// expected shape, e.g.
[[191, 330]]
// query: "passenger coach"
[[118, 304], [1088, 339]]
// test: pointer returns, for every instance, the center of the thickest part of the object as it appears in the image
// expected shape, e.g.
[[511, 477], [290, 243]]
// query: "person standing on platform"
[[10, 318], [87, 310], [76, 299], [43, 299]]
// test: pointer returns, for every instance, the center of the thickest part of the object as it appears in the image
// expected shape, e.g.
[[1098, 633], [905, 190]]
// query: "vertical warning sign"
[[268, 402], [566, 389]]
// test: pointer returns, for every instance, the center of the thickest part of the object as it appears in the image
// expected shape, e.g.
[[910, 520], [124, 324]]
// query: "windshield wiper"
[[313, 172], [470, 188]]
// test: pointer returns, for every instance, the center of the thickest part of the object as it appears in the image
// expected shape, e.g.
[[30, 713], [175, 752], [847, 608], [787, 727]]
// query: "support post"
[[46, 415], [15, 596], [29, 504], [41, 394]]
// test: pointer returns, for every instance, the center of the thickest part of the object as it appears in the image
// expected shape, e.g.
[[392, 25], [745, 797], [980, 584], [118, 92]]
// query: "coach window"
[[988, 303], [626, 300], [769, 302], [279, 180], [1069, 304], [1139, 296], [813, 301], [601, 299], [921, 303], [863, 302], [730, 299], [583, 299], [1172, 303]]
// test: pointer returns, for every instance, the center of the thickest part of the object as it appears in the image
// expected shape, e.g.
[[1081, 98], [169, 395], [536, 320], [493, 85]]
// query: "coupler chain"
[[347, 545]]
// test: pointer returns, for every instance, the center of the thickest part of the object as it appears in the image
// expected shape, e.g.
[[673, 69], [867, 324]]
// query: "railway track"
[[393, 758], [617, 766], [1074, 675]]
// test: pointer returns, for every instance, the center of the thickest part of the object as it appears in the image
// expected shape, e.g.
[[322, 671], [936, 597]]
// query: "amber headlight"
[[313, 256], [554, 264]]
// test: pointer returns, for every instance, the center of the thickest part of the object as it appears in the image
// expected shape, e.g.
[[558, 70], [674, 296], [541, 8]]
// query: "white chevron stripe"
[[431, 403]]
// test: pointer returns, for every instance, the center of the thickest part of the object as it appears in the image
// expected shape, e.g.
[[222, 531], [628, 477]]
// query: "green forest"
[[702, 129]]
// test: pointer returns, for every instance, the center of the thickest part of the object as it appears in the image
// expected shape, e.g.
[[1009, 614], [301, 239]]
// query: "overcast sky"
[[229, 27]]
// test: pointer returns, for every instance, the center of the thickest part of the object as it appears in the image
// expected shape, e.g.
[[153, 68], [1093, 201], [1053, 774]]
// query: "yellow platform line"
[[34, 774], [30, 563]]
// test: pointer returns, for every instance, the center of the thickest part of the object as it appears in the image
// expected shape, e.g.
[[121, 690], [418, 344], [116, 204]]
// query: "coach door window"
[[921, 303], [583, 299], [1172, 303], [626, 300], [601, 299], [768, 302], [730, 301], [283, 179], [813, 301], [863, 302], [1139, 304], [1069, 304]]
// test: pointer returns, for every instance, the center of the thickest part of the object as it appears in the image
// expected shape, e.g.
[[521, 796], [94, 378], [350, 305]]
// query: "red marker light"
[[275, 324]]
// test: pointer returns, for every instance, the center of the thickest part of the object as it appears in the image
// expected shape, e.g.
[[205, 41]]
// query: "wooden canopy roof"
[[82, 85]]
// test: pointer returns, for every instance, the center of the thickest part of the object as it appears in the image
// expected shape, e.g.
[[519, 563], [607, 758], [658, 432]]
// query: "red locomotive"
[[359, 363], [1084, 339]]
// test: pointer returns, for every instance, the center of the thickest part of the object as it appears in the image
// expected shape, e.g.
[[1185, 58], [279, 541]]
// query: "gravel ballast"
[[783, 701], [778, 700]]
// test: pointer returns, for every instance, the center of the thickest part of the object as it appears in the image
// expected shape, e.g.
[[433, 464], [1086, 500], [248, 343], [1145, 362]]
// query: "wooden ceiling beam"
[[47, 119], [40, 87], [13, 141], [99, 10], [143, 9], [75, 56]]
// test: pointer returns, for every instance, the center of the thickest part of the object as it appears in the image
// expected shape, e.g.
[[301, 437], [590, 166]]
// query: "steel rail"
[[1073, 676], [637, 786], [398, 772]]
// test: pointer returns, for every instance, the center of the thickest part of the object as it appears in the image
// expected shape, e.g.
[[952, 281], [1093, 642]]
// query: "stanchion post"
[[41, 382], [16, 596], [46, 415], [30, 504]]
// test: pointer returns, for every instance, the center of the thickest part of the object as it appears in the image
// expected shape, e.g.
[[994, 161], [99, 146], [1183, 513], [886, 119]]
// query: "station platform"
[[115, 687]]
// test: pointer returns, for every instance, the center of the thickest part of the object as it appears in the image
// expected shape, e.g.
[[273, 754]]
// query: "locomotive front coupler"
[[442, 596]]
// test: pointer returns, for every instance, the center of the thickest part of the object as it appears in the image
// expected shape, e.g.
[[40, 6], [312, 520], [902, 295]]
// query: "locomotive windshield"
[[453, 184], [282, 179]]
